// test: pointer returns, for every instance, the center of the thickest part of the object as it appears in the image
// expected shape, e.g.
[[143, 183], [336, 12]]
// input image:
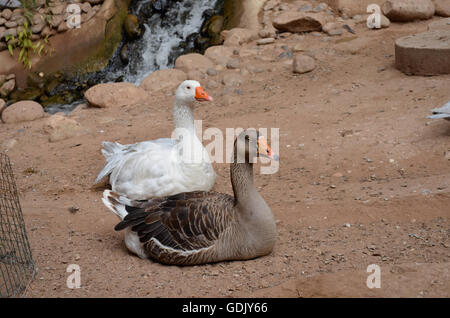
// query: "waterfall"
[[167, 36], [164, 33]]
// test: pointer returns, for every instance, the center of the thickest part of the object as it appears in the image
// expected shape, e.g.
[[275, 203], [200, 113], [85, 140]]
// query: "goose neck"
[[242, 181], [183, 116]]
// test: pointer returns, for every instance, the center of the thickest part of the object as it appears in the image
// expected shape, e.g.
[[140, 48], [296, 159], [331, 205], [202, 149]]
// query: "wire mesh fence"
[[16, 262]]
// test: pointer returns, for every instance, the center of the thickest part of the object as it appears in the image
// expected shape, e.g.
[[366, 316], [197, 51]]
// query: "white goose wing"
[[115, 153], [153, 169]]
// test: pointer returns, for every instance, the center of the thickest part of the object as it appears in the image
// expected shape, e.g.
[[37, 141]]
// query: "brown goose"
[[203, 227]]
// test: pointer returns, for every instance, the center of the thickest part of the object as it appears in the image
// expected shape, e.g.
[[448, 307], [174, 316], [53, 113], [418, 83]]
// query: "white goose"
[[158, 167]]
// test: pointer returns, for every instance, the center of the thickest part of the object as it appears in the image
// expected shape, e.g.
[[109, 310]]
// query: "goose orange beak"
[[265, 151], [201, 95]]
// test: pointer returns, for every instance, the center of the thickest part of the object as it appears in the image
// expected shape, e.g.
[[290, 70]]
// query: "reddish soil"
[[364, 179]]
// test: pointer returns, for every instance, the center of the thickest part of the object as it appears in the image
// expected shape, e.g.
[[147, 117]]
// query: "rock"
[[47, 32], [86, 7], [219, 54], [211, 72], [131, 25], [334, 32], [299, 48], [115, 95], [238, 36], [6, 13], [266, 33], [193, 61], [212, 29], [425, 53], [408, 10], [11, 24], [59, 127], [285, 35], [22, 111], [265, 41], [330, 28], [37, 28], [56, 20], [296, 22], [232, 79], [442, 24], [59, 9], [12, 32], [124, 54], [7, 88], [303, 64], [442, 8], [233, 64], [62, 27]]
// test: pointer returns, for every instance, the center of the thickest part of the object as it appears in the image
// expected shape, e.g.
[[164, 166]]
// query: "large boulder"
[[408, 10], [425, 53], [115, 95], [442, 7], [294, 21], [22, 111], [193, 61], [163, 79]]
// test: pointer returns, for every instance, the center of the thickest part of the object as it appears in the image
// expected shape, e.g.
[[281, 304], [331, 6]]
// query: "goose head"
[[250, 145], [190, 91]]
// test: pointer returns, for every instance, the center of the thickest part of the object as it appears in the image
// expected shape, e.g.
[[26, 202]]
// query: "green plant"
[[26, 46], [23, 41]]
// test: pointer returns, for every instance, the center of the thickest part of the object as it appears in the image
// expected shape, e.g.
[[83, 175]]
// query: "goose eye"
[[188, 87]]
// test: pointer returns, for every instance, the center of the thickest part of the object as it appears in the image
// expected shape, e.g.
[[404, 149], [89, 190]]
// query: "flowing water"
[[160, 44], [167, 35]]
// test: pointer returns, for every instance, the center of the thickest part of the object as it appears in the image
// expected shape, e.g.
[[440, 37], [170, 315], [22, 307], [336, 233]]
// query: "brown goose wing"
[[186, 221]]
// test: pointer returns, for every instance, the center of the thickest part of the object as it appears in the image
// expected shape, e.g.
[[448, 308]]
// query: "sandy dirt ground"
[[364, 178]]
